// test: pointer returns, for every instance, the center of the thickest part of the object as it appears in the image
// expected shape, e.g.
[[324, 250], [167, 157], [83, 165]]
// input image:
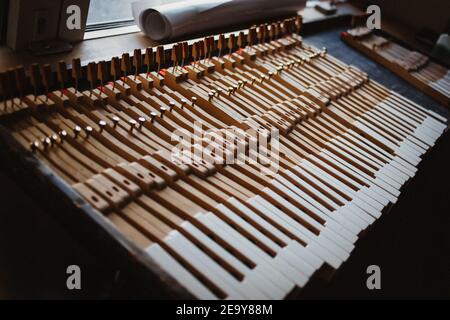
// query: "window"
[[112, 17], [109, 11]]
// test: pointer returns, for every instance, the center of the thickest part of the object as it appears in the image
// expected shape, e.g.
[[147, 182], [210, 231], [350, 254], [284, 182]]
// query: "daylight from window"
[[101, 11]]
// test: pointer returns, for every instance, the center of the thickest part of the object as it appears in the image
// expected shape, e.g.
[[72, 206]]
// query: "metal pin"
[[270, 75], [141, 121], [153, 116], [253, 80], [102, 125], [210, 96], [245, 83], [183, 103], [34, 146], [194, 100], [162, 110], [219, 92], [88, 131], [171, 105], [133, 124], [63, 135], [116, 121], [230, 90], [76, 131], [46, 142], [235, 88], [240, 83], [54, 139]]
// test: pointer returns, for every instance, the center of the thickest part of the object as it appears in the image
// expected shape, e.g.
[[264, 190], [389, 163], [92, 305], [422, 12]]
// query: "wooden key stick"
[[21, 81], [179, 52], [271, 32], [77, 74], [102, 73], [195, 52], [298, 23], [276, 30], [115, 70], [211, 44], [125, 65], [149, 59], [291, 25], [206, 47], [280, 29], [160, 59], [174, 56], [221, 44], [36, 79], [62, 75], [261, 34], [92, 75], [46, 73], [284, 27], [251, 36], [241, 40], [266, 32], [184, 52], [202, 49], [231, 43], [137, 62]]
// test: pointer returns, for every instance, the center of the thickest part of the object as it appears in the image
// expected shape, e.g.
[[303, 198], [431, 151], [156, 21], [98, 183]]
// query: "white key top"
[[179, 273]]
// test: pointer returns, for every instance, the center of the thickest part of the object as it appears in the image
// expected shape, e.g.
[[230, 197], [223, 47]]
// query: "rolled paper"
[[180, 18]]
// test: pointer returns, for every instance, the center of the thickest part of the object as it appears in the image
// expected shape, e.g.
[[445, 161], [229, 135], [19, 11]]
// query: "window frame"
[[109, 25], [109, 28]]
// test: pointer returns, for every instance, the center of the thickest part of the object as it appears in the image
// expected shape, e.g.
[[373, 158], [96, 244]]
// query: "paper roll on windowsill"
[[180, 18]]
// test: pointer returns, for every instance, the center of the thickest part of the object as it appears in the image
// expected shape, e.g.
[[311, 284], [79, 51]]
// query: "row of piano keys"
[[346, 147], [416, 64]]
